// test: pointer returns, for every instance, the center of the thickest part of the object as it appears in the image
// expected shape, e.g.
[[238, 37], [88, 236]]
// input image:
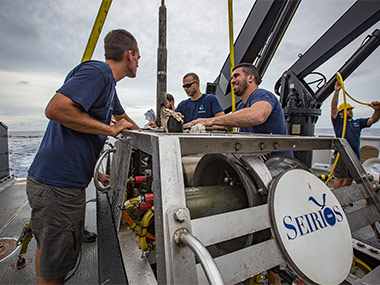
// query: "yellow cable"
[[25, 242], [130, 221], [256, 280], [364, 266], [142, 234], [232, 55], [132, 203], [340, 81], [231, 41], [353, 99]]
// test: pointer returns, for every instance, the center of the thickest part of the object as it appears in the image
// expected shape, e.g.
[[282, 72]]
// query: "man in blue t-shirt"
[[259, 111], [352, 134], [198, 105], [80, 114]]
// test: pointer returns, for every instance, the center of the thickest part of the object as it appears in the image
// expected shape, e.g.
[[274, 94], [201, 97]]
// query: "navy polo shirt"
[[275, 124], [205, 107], [67, 158], [353, 131]]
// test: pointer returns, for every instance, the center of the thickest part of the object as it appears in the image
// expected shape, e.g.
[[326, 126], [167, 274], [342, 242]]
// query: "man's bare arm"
[[255, 115], [376, 114], [126, 117], [334, 100], [71, 114]]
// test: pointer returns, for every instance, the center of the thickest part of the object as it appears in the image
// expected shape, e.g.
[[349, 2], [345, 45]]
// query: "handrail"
[[96, 170], [202, 254]]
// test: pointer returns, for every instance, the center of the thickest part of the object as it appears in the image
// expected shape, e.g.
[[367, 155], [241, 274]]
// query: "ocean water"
[[23, 146], [370, 132]]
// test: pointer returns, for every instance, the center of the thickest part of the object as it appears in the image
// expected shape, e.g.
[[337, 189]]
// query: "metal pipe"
[[161, 63], [351, 64], [204, 257]]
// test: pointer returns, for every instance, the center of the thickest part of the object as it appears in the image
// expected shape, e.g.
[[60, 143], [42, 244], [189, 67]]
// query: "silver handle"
[[204, 257], [96, 171]]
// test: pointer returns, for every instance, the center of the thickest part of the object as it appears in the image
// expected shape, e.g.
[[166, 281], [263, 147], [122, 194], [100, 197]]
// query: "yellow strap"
[[96, 30]]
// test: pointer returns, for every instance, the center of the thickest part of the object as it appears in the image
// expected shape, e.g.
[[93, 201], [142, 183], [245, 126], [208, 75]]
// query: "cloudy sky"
[[42, 40]]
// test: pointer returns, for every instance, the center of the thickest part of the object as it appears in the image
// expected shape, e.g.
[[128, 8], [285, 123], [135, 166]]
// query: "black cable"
[[321, 81], [72, 272]]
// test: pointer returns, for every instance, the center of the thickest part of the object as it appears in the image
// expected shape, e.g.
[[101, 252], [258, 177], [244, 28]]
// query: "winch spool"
[[234, 177], [223, 183]]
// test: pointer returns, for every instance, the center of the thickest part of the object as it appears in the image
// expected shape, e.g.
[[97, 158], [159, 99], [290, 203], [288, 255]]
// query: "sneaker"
[[89, 236]]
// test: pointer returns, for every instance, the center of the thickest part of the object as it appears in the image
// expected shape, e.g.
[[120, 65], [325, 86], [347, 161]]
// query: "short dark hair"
[[169, 97], [249, 69], [118, 41], [193, 75]]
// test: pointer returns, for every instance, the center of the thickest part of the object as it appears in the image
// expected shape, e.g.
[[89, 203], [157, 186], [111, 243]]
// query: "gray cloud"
[[23, 82], [42, 40]]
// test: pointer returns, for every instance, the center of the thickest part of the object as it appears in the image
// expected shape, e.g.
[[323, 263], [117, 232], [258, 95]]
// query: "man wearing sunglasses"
[[198, 105]]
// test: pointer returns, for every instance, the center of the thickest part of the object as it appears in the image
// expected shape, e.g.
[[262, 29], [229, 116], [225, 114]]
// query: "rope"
[[166, 114]]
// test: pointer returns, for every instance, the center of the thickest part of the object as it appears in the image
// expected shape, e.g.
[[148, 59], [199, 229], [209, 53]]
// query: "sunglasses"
[[188, 84]]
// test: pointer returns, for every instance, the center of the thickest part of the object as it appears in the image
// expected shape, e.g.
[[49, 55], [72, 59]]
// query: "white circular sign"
[[310, 227]]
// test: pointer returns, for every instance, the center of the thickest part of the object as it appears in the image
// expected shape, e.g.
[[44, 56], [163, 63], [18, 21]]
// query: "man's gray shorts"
[[57, 224]]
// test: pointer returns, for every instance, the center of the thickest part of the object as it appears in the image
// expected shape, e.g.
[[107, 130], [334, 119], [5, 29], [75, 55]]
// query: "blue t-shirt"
[[66, 158], [205, 107], [275, 123], [353, 131]]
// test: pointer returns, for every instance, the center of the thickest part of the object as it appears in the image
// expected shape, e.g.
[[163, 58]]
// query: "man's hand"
[[375, 105], [104, 178], [376, 114], [209, 122], [151, 124], [121, 125], [337, 86]]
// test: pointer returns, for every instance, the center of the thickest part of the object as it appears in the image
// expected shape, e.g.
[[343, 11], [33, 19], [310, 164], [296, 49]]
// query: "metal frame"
[[257, 41], [4, 153], [110, 262], [176, 263]]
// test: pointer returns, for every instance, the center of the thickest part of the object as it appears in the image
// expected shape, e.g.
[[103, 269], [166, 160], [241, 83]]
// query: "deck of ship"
[[15, 213]]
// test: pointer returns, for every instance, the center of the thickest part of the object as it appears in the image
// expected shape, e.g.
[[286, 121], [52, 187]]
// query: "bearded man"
[[258, 112]]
